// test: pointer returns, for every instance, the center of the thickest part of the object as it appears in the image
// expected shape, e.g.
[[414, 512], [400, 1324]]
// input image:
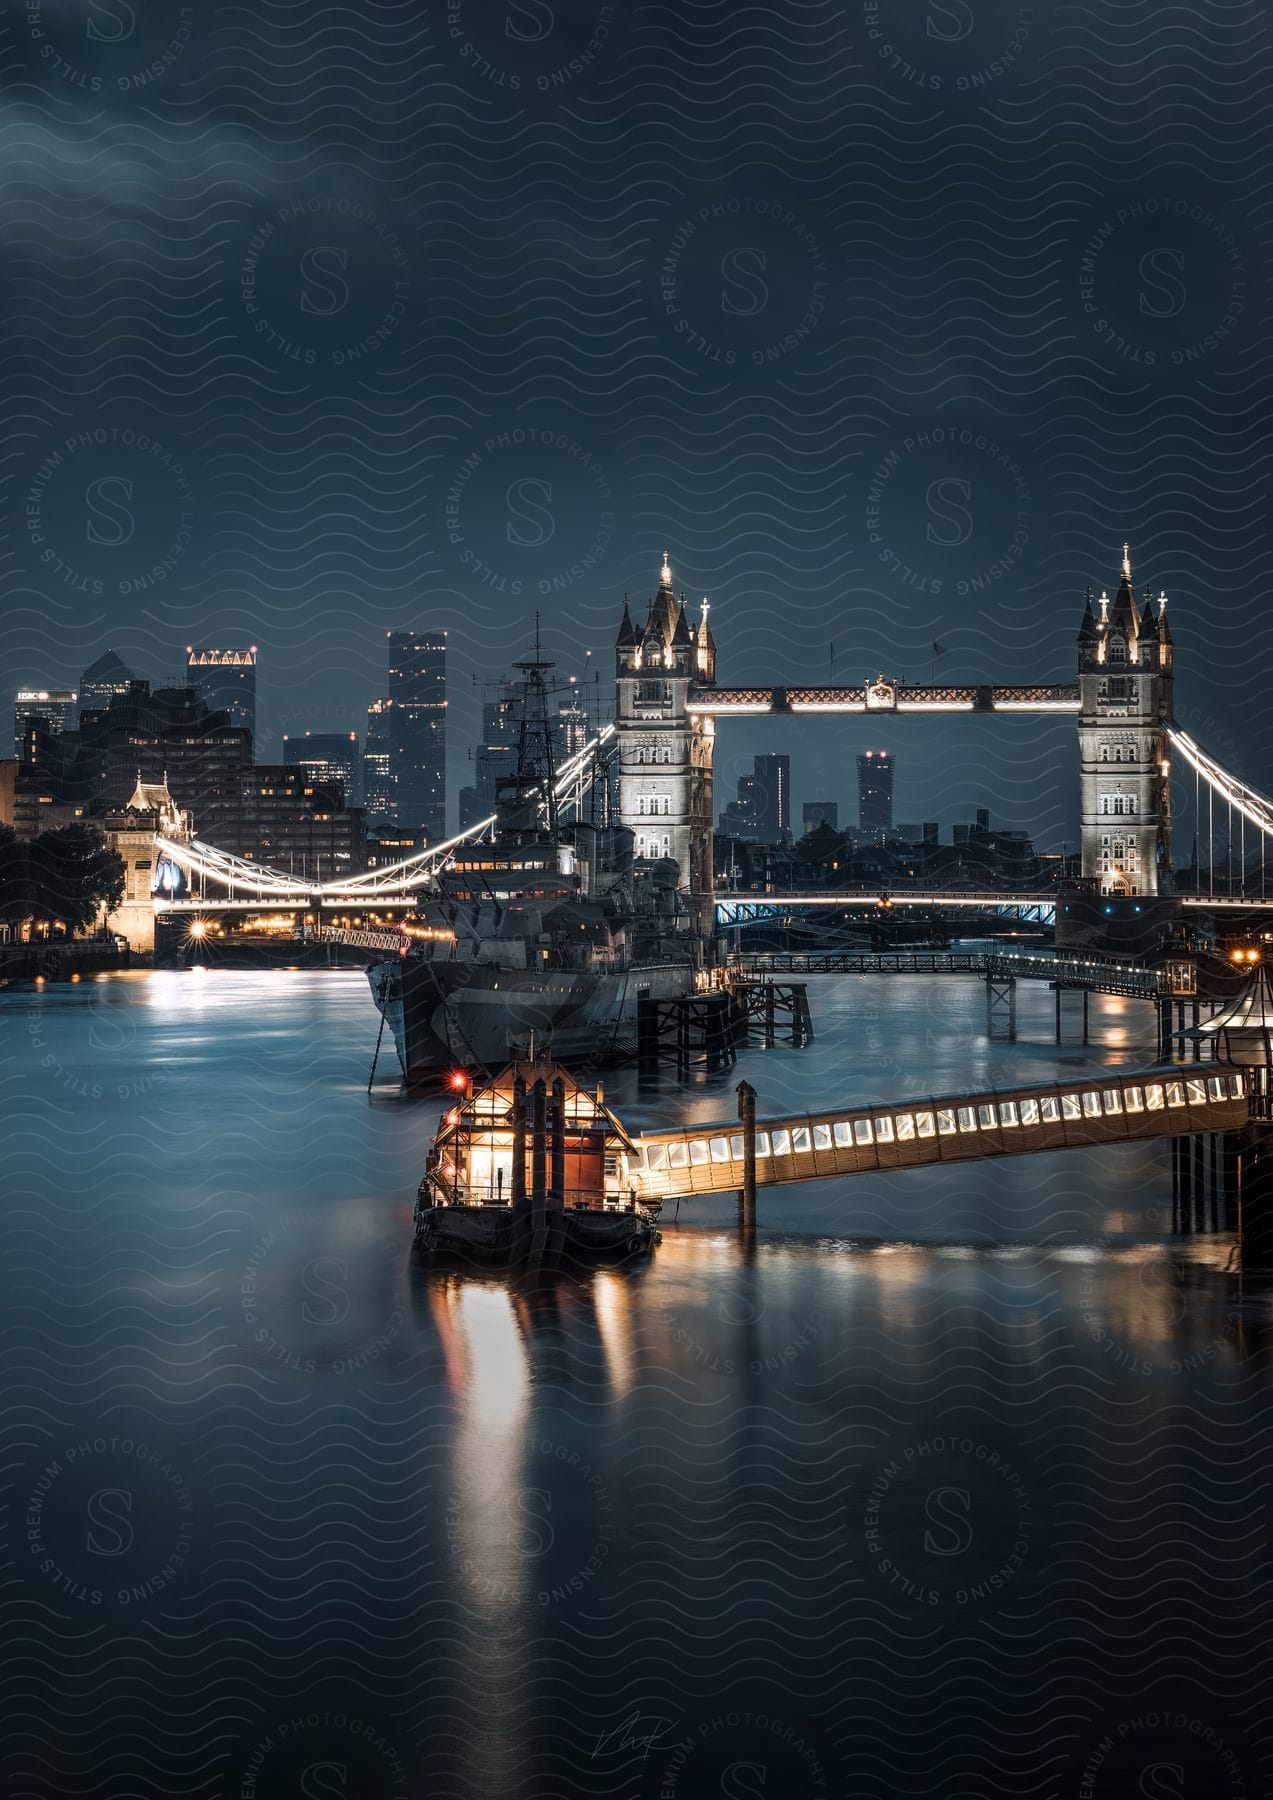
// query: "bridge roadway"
[[1113, 1107]]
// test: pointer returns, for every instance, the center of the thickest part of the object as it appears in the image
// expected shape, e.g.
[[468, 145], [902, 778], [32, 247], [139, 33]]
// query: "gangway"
[[1113, 1107]]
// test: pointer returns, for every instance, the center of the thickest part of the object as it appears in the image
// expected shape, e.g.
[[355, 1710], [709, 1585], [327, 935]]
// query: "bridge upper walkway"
[[1112, 1107]]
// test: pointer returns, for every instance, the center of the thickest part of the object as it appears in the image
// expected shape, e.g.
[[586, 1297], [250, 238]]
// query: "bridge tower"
[[1125, 707], [665, 749], [152, 812]]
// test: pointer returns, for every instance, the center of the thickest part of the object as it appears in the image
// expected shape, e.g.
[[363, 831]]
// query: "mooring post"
[[769, 1015], [557, 1186], [747, 1117], [647, 1039], [538, 1159], [517, 1194]]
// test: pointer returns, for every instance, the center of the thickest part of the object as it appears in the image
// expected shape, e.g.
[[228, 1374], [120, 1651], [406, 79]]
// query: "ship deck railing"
[[462, 1194]]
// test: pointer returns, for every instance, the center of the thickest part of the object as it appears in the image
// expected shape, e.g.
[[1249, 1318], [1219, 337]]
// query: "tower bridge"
[[661, 747]]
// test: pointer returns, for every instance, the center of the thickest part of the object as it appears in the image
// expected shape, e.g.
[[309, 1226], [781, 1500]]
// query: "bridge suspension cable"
[[1246, 801], [1251, 807], [573, 779]]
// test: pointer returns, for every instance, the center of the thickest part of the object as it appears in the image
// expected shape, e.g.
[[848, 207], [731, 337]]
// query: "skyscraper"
[[496, 754], [377, 771], [331, 758], [417, 729], [875, 794], [58, 707], [573, 729], [226, 679], [103, 681], [771, 796]]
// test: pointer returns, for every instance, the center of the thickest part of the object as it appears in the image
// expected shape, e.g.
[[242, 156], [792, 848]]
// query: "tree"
[[71, 875], [16, 895]]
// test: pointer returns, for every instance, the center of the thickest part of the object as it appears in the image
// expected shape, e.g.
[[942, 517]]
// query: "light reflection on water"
[[546, 1503]]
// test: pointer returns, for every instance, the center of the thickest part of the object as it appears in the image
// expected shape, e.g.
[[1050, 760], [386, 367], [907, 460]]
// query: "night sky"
[[889, 322]]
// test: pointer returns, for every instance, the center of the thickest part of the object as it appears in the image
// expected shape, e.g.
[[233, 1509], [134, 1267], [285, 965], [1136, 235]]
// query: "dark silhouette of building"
[[496, 757], [417, 729], [772, 798], [875, 794], [105, 680], [331, 757], [58, 707], [761, 812], [820, 812], [377, 764], [226, 679], [286, 819], [171, 735]]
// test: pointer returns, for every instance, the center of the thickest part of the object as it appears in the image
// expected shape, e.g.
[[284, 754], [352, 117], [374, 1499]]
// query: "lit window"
[[1007, 1112], [1092, 1106], [862, 1133], [946, 1121], [762, 1143], [843, 1135], [720, 1150], [822, 1137], [698, 1152], [1133, 1100], [925, 1126], [800, 1140], [1070, 1108], [1050, 1110], [1113, 1102], [736, 1148], [905, 1127], [1153, 1098], [1236, 1087], [967, 1122], [1215, 1087], [1029, 1112], [1197, 1091], [884, 1131], [985, 1116], [678, 1155], [658, 1156], [782, 1143], [1175, 1093]]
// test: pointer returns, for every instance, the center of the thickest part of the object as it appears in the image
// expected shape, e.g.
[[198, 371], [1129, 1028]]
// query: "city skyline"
[[636, 943], [956, 804]]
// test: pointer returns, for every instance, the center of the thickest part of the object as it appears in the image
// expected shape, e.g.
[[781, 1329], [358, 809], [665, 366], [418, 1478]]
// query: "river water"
[[954, 1483]]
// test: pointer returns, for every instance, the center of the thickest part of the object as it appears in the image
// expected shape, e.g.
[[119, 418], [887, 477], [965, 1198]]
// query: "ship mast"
[[529, 793]]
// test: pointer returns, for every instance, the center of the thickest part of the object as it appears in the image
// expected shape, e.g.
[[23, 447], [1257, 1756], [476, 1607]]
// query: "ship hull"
[[443, 1015], [500, 1235]]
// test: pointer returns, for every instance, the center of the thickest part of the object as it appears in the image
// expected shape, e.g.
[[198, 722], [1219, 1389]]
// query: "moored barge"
[[531, 1166]]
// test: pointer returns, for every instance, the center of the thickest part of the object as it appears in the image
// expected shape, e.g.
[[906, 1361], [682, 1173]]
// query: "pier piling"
[[747, 1116]]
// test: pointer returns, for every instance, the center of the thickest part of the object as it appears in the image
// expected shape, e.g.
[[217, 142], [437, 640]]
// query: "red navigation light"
[[458, 1081]]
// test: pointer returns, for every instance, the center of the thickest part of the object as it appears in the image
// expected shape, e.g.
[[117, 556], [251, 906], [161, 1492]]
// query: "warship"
[[543, 931]]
